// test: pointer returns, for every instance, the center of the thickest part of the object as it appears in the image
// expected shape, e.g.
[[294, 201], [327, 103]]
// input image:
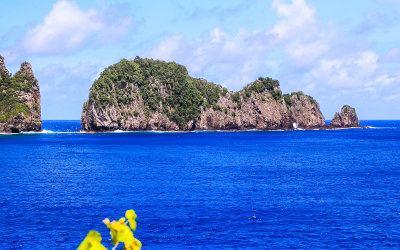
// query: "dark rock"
[[345, 119], [26, 68]]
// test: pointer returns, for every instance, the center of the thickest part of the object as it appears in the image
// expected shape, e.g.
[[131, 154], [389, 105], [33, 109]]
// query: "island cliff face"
[[19, 100], [146, 94]]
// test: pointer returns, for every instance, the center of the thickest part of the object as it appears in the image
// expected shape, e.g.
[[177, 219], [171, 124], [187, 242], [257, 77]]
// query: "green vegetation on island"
[[164, 86], [143, 94], [298, 94], [348, 109], [263, 84]]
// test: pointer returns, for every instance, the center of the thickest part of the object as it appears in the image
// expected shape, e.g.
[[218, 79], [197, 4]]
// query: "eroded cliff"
[[19, 100], [146, 94], [347, 118]]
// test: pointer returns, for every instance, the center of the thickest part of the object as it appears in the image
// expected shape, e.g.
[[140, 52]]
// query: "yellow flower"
[[120, 232], [134, 245], [92, 242], [131, 216]]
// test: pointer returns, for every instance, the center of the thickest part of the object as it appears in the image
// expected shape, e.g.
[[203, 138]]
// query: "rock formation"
[[345, 119], [3, 69], [19, 100], [146, 94]]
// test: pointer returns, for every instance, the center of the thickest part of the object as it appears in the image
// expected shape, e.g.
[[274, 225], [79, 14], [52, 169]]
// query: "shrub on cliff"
[[298, 94], [263, 84], [288, 101], [10, 104], [348, 109]]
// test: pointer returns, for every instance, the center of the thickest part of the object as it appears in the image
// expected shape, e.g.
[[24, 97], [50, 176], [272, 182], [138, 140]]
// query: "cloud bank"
[[337, 62], [298, 49]]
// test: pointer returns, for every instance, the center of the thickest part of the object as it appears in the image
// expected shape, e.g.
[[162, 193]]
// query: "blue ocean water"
[[213, 190]]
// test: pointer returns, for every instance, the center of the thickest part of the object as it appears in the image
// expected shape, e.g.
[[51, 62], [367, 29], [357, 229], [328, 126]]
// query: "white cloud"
[[304, 39], [383, 81], [171, 48], [64, 28], [347, 72], [67, 28], [297, 18]]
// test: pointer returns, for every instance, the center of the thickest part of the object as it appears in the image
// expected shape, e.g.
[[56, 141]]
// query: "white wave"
[[381, 127], [235, 131], [162, 132], [140, 131], [45, 131], [120, 131], [130, 131], [82, 132]]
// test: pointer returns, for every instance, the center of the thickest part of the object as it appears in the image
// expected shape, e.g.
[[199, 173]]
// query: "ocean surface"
[[208, 190]]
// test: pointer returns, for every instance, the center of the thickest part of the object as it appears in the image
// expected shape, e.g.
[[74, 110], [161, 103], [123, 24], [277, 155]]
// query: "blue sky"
[[339, 52]]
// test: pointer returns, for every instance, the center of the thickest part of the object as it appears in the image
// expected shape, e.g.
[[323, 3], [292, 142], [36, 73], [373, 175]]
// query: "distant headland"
[[146, 94]]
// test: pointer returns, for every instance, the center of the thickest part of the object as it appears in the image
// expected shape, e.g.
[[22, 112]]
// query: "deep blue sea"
[[212, 190]]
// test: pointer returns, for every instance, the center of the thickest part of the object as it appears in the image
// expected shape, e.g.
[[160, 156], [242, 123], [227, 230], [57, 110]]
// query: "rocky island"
[[347, 118], [19, 100], [147, 94]]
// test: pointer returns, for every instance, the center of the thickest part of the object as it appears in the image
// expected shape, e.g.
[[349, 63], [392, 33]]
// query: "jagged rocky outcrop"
[[347, 118], [19, 100], [3, 69], [146, 94]]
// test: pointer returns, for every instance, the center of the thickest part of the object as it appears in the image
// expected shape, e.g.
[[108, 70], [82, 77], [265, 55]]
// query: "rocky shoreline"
[[197, 131]]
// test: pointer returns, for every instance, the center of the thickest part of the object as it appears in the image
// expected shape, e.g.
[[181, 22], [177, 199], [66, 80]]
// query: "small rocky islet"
[[146, 94], [20, 108]]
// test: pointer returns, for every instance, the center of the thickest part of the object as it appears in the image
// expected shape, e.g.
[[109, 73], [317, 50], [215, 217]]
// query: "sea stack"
[[20, 108], [147, 94], [347, 118]]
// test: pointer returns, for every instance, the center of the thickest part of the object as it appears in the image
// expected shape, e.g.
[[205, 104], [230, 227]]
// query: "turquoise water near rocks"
[[255, 189]]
